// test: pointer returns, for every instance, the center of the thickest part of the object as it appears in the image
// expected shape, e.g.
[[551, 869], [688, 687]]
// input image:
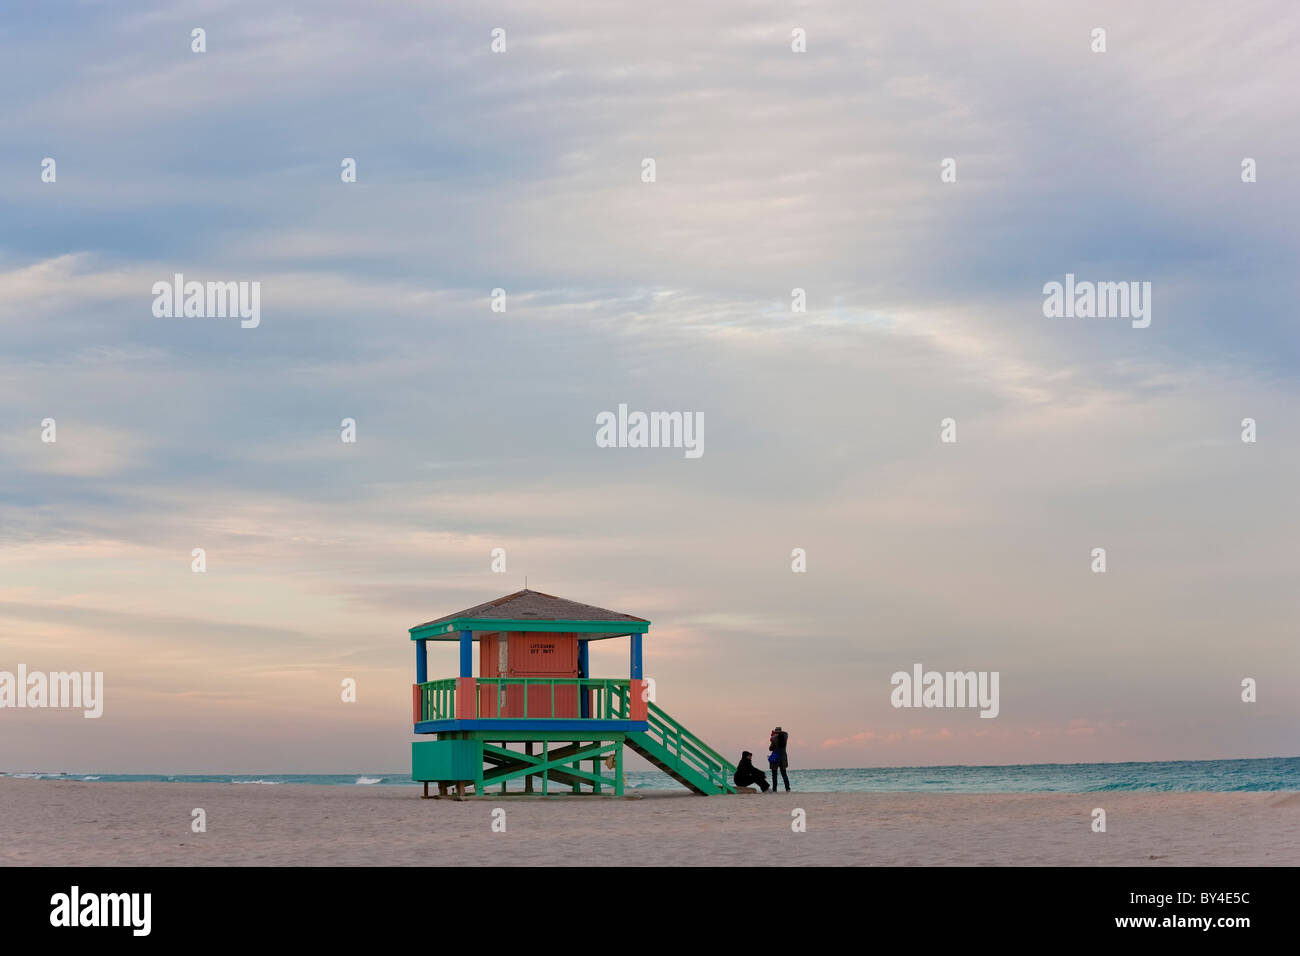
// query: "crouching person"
[[747, 774]]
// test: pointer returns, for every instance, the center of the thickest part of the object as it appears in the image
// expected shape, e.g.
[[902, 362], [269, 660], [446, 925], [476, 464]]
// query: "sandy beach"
[[70, 823]]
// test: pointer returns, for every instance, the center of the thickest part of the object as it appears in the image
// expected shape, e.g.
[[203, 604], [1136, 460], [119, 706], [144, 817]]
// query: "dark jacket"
[[746, 773], [777, 746]]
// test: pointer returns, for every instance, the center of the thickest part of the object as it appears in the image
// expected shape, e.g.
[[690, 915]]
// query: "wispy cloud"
[[475, 428]]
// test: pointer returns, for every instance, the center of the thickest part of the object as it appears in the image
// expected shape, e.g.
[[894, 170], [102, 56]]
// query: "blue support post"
[[636, 657], [584, 696], [421, 663], [466, 653]]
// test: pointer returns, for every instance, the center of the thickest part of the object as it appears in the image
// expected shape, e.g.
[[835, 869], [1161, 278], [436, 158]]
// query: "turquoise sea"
[[1273, 773]]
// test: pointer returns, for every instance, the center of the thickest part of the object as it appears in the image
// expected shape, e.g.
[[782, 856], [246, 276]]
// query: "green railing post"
[[618, 769]]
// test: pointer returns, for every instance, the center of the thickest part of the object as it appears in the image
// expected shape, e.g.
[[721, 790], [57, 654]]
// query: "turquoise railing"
[[681, 749], [607, 697], [438, 697], [689, 751]]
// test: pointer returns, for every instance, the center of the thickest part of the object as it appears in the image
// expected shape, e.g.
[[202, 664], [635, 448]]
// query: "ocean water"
[[1273, 773]]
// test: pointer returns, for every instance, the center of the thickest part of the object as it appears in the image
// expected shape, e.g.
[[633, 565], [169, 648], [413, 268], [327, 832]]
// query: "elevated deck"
[[475, 718], [526, 703], [573, 725]]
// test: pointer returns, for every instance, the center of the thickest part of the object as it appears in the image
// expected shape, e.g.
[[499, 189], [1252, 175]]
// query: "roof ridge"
[[530, 605]]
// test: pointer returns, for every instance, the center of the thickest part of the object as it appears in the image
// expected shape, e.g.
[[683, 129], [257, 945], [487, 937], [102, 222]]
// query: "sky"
[[775, 170]]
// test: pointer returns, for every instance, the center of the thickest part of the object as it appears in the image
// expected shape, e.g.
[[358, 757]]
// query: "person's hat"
[[746, 753], [779, 730]]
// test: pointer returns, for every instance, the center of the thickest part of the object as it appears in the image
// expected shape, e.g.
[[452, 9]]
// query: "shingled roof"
[[527, 606]]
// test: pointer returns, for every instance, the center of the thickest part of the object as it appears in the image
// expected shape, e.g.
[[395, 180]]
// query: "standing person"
[[777, 747]]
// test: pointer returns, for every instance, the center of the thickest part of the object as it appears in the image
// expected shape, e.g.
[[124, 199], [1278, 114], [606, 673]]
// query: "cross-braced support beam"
[[562, 765]]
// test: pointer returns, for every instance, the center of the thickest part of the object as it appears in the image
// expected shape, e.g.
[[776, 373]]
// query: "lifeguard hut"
[[534, 715]]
